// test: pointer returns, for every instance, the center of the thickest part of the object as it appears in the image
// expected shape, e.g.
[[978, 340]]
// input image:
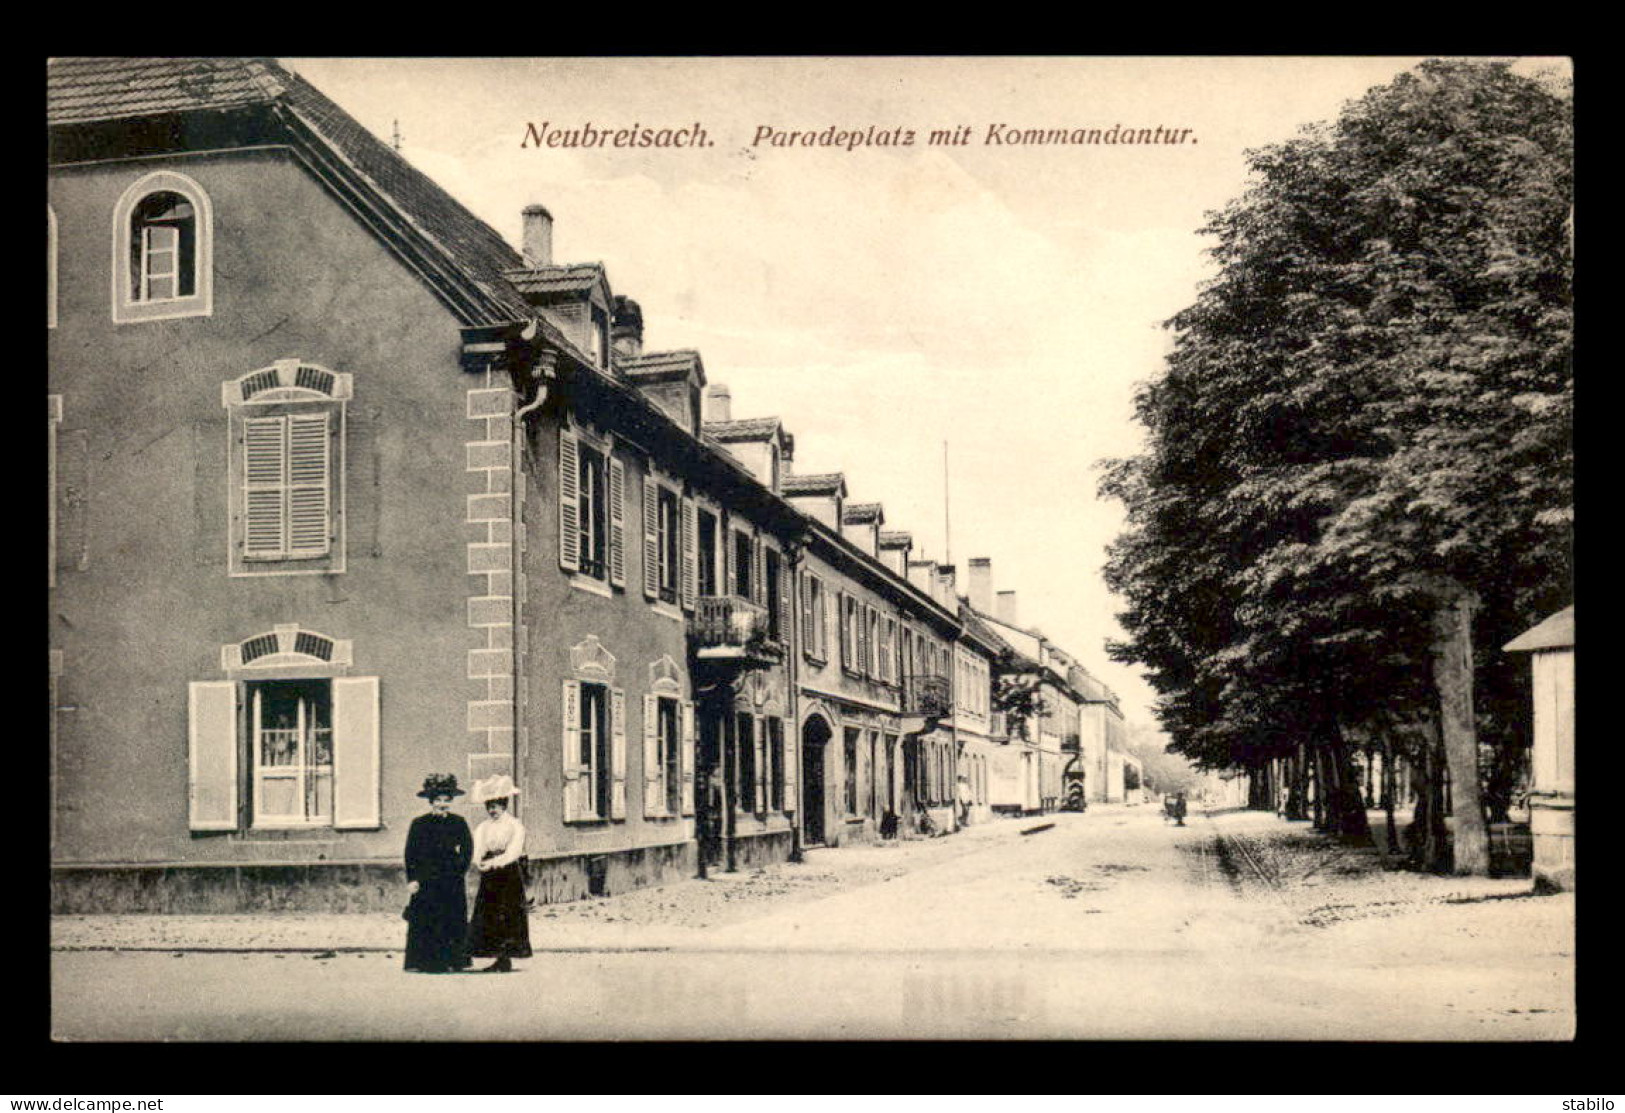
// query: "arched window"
[[162, 250]]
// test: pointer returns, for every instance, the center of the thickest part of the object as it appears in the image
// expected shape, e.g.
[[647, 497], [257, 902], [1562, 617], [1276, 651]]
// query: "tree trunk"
[[1317, 787], [1427, 838], [1390, 829], [1453, 679], [1345, 802], [1297, 789]]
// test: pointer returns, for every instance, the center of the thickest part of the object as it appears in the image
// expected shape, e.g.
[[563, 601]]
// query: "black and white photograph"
[[809, 548]]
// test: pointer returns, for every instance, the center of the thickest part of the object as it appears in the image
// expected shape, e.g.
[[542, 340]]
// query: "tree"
[[1359, 470]]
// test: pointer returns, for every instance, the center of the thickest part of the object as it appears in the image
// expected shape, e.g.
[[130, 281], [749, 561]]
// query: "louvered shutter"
[[211, 737], [687, 748], [809, 642], [759, 740], [355, 752], [828, 622], [309, 463], [617, 753], [571, 747], [691, 532], [792, 759], [786, 604], [651, 538], [654, 796], [758, 576], [569, 503], [263, 466], [617, 522]]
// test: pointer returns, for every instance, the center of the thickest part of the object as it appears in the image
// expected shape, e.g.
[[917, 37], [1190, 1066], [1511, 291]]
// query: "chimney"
[[946, 593], [1006, 608], [920, 574], [538, 236], [981, 584], [719, 405], [626, 330]]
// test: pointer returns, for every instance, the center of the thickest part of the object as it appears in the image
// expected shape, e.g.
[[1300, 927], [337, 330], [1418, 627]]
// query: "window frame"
[[284, 392], [592, 515], [304, 733], [668, 511], [593, 752], [129, 309]]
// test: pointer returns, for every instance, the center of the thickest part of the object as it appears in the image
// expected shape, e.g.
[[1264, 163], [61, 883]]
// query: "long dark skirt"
[[436, 938], [501, 927]]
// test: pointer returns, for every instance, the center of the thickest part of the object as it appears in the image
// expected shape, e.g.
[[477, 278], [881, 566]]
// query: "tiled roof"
[[746, 429], [658, 363], [859, 513], [1555, 632], [86, 89], [572, 278], [896, 539], [83, 89], [827, 483]]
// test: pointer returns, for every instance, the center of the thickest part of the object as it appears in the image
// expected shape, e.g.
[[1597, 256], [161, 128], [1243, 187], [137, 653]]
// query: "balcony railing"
[[728, 628], [926, 695]]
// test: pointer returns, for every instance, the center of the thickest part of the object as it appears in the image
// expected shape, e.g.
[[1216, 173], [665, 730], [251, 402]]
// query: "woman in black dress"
[[439, 847], [501, 926]]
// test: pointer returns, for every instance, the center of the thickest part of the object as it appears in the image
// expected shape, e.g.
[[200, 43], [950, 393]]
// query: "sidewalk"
[[674, 916]]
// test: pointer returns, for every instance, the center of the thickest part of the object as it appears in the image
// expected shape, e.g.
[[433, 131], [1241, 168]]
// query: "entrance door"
[[814, 740], [708, 784]]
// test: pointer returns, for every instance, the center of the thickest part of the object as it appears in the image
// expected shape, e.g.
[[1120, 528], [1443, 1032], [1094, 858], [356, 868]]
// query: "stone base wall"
[[368, 887]]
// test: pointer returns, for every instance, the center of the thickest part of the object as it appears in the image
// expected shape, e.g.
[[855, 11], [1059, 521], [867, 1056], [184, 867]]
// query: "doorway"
[[815, 734]]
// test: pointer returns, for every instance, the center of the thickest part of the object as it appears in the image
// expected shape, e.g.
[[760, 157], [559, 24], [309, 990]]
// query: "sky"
[[886, 301]]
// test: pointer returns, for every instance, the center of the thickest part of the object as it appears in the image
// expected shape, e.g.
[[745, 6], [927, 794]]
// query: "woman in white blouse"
[[500, 928]]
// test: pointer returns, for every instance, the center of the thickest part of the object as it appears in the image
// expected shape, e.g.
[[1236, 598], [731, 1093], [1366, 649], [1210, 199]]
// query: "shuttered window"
[[287, 479], [309, 751]]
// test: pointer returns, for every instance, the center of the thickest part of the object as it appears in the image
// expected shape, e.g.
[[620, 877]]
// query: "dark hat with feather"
[[436, 785]]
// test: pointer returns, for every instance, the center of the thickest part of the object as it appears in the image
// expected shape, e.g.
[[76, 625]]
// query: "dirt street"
[[1105, 925]]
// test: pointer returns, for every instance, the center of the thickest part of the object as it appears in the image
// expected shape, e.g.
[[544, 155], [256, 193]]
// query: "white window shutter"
[[691, 566], [654, 796], [569, 503], [828, 623], [356, 750], [571, 747], [758, 576], [309, 477], [212, 756], [809, 644], [264, 465], [617, 522], [617, 753], [786, 602], [651, 537], [686, 745]]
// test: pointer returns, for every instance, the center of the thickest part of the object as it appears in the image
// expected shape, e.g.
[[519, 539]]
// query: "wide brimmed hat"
[[436, 785], [497, 787]]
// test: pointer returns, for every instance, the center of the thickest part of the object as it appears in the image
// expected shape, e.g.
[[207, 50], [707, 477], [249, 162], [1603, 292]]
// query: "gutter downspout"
[[792, 624]]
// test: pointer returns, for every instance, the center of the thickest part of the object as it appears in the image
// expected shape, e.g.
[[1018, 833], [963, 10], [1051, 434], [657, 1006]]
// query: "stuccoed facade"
[[347, 490]]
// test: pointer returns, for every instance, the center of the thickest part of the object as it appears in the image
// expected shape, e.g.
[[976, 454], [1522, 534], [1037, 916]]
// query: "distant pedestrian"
[[439, 847], [1179, 809], [500, 928], [965, 799]]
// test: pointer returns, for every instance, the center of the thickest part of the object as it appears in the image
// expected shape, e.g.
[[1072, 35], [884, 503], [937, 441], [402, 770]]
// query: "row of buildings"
[[347, 490]]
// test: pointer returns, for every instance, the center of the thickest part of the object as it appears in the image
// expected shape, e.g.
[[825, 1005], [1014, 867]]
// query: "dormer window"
[[600, 338], [162, 262]]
